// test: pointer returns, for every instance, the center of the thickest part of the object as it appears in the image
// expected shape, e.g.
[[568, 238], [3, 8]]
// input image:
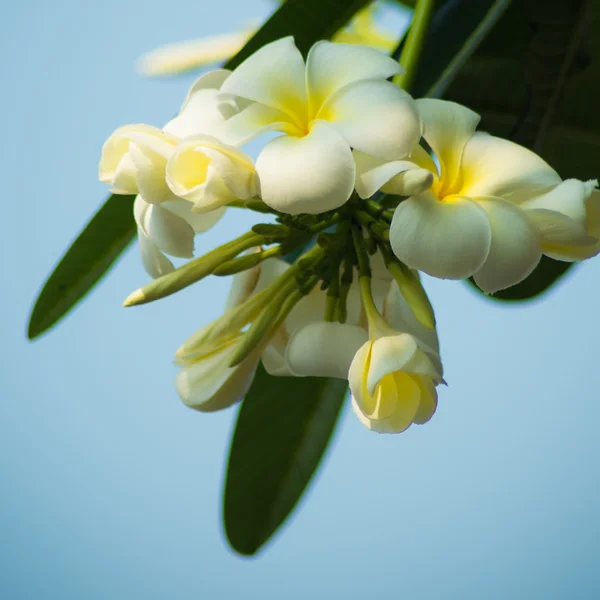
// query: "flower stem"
[[409, 59]]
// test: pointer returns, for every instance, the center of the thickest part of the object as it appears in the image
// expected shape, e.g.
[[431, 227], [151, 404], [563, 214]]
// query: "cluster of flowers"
[[387, 185]]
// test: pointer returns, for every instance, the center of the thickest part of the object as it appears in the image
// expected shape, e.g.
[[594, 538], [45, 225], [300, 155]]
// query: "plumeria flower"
[[491, 211], [135, 160], [392, 379], [184, 56], [209, 173], [339, 99], [206, 382]]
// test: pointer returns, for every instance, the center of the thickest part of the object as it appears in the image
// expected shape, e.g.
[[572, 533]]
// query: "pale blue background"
[[111, 488]]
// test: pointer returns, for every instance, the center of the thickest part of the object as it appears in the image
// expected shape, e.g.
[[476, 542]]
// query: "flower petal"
[[204, 111], [312, 174], [172, 234], [375, 117], [450, 240], [399, 177], [581, 251], [331, 66], [560, 215], [274, 76], [515, 250], [210, 384], [447, 127], [492, 166], [154, 261], [324, 349], [428, 402], [199, 222], [253, 121]]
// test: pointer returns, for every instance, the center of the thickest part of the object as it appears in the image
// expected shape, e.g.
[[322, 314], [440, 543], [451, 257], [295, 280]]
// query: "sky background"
[[111, 488]]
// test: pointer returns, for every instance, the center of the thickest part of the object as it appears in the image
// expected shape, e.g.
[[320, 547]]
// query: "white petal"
[[375, 117], [312, 174], [400, 177], [583, 251], [331, 66], [447, 127], [450, 240], [172, 234], [324, 349], [150, 174], [493, 166], [254, 120], [154, 261], [428, 402], [388, 355], [185, 56], [274, 76], [560, 215], [515, 250], [209, 384], [199, 222]]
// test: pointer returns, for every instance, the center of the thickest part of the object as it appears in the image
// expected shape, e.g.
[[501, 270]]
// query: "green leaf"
[[283, 429], [457, 28], [540, 91], [87, 260]]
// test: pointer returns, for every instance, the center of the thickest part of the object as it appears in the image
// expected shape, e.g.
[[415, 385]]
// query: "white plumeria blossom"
[[491, 211], [135, 160], [392, 382], [209, 173], [206, 382], [337, 100]]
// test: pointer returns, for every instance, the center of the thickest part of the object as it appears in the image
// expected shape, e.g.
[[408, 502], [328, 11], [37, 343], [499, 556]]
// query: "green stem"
[[409, 59]]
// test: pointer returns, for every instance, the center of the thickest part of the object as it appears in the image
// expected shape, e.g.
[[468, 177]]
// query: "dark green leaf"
[[283, 429], [457, 28], [87, 260]]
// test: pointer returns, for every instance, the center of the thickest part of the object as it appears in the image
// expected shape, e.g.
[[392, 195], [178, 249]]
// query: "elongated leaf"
[[87, 260], [283, 429]]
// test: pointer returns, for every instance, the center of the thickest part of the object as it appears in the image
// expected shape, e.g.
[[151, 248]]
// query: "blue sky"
[[112, 488]]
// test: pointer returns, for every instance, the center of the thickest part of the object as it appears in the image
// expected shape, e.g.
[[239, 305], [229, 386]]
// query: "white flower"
[[209, 173], [206, 382], [339, 99], [392, 382], [488, 213]]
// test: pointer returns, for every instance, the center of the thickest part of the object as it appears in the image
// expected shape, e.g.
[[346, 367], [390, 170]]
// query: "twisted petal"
[[447, 127], [199, 222], [409, 409], [209, 173], [209, 384], [273, 76], [561, 214], [324, 349], [331, 66], [515, 249], [311, 174], [375, 117], [492, 166], [203, 111], [400, 177], [450, 240], [171, 234]]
